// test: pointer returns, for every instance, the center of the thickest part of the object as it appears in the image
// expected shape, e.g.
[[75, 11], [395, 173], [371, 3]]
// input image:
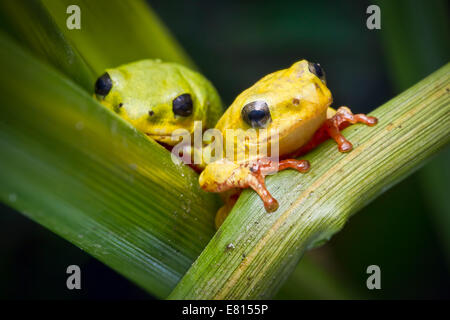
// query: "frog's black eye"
[[317, 70], [182, 105], [103, 84], [256, 114]]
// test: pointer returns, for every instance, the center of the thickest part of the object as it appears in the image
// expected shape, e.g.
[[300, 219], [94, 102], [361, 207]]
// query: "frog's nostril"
[[151, 113], [118, 107]]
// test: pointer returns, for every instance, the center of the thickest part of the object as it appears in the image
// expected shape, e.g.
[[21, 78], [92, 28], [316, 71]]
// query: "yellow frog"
[[289, 108]]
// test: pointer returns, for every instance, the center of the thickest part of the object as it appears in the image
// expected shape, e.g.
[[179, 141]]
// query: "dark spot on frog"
[[151, 113], [295, 101], [318, 88]]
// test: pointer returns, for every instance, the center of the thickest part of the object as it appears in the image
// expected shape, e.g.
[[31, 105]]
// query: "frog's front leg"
[[223, 175], [263, 167], [331, 128], [339, 121]]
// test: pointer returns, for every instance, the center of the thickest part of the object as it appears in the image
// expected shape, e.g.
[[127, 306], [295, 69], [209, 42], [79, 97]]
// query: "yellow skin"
[[298, 100], [143, 94], [158, 98]]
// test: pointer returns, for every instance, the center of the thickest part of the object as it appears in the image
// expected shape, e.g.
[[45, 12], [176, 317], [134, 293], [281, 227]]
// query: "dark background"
[[405, 231]]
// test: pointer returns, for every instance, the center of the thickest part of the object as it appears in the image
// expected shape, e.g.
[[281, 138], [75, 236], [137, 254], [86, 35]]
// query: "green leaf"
[[267, 247], [78, 169], [114, 32], [32, 26]]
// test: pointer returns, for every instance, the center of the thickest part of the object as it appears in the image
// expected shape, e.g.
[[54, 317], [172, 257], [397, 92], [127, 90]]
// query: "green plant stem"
[[267, 247]]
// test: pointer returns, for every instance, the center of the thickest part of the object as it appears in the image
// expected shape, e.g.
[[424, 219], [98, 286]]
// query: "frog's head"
[[159, 97], [292, 102]]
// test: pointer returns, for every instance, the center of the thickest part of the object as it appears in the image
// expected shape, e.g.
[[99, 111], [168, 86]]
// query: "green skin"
[[142, 93]]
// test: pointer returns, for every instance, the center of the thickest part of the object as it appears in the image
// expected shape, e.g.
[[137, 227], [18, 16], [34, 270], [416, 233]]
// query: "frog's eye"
[[256, 114], [103, 84], [182, 105], [317, 70]]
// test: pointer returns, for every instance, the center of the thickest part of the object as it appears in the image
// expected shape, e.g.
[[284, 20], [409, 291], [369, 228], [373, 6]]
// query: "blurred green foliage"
[[234, 44], [413, 49]]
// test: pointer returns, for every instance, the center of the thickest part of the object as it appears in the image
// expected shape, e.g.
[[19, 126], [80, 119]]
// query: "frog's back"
[[294, 87]]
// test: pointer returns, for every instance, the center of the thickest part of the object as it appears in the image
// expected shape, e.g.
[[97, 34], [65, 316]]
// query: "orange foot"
[[225, 175], [263, 167], [332, 127], [230, 178]]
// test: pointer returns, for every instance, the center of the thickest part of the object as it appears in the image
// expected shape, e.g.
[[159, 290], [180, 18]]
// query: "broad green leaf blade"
[[114, 32], [33, 27], [412, 127], [73, 166]]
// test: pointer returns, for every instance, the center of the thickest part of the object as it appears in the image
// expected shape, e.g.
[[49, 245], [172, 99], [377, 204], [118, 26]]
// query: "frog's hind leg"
[[229, 199], [222, 214]]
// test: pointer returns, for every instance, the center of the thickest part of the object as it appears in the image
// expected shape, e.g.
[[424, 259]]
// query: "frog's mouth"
[[154, 135], [165, 139]]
